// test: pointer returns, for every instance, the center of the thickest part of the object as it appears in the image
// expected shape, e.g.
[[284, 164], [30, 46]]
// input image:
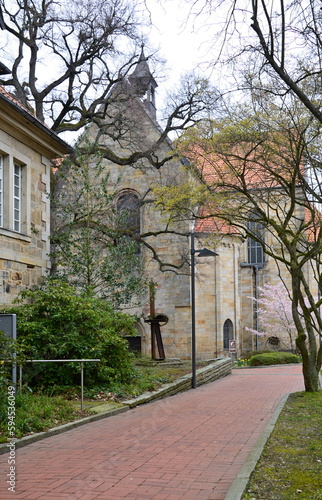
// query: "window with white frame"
[[1, 191], [13, 194], [17, 176]]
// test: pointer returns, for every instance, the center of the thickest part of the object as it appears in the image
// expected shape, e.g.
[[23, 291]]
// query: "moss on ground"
[[291, 463]]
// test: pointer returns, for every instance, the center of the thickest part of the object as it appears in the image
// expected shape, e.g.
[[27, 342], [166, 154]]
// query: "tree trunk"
[[309, 370]]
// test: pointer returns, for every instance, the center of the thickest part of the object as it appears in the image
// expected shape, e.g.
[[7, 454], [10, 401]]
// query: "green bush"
[[273, 358], [3, 396], [55, 322], [249, 354]]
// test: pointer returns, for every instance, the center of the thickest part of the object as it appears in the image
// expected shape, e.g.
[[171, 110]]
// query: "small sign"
[[8, 324], [232, 346]]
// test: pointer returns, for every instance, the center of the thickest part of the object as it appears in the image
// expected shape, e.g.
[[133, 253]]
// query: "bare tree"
[[79, 65], [97, 243], [119, 138], [63, 55], [272, 45]]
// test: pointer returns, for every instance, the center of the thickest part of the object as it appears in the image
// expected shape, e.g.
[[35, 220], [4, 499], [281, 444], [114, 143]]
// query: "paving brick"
[[188, 447]]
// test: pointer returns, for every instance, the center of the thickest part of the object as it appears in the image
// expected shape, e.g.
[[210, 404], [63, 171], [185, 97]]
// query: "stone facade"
[[26, 150], [173, 289], [218, 280]]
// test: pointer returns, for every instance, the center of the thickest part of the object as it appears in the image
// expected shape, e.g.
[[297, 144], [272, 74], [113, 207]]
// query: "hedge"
[[273, 358]]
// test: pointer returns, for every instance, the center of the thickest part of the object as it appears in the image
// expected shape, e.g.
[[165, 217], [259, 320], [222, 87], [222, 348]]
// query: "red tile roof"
[[15, 101], [210, 224], [253, 170]]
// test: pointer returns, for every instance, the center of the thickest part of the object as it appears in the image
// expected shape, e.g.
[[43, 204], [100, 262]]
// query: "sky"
[[182, 44]]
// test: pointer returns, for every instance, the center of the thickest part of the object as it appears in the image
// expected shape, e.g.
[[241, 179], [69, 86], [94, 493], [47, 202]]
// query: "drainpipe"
[[216, 308]]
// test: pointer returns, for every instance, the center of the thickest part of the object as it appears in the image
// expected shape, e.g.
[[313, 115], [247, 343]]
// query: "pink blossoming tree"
[[274, 313]]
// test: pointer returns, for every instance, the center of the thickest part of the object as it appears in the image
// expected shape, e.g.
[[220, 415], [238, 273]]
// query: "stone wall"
[[219, 369]]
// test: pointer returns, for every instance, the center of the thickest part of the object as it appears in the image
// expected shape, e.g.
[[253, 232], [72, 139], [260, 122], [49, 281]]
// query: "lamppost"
[[205, 252]]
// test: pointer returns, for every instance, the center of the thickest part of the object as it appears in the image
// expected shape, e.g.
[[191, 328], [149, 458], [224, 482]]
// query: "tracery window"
[[255, 250], [128, 208]]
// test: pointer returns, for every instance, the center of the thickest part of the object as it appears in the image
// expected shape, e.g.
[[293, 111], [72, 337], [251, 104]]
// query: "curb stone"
[[219, 369]]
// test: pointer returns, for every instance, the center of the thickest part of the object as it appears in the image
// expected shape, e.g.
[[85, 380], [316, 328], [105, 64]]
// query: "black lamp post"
[[205, 252]]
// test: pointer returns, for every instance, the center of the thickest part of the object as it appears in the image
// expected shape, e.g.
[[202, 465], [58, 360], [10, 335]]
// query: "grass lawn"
[[37, 413], [291, 463]]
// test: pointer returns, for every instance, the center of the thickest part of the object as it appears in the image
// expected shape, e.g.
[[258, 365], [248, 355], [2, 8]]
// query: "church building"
[[224, 283]]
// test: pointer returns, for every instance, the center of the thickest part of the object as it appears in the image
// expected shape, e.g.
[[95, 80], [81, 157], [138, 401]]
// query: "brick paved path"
[[190, 446]]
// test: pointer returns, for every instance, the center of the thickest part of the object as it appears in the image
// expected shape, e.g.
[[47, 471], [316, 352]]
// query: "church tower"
[[144, 84]]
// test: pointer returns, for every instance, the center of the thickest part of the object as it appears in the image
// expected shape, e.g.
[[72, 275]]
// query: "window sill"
[[259, 265], [14, 235]]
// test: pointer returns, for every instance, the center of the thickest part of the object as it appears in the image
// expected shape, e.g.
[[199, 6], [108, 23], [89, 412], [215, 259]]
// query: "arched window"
[[228, 333], [255, 251], [128, 209]]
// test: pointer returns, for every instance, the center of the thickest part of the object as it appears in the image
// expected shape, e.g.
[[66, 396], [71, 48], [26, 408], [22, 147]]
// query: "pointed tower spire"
[[143, 83]]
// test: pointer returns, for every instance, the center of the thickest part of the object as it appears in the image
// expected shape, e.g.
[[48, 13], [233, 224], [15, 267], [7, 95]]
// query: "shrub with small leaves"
[[273, 358], [56, 322]]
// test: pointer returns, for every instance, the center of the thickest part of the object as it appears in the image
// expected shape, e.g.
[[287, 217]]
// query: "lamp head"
[[205, 252]]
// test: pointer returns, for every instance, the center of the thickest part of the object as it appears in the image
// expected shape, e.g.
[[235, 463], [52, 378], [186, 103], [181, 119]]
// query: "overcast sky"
[[182, 44]]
